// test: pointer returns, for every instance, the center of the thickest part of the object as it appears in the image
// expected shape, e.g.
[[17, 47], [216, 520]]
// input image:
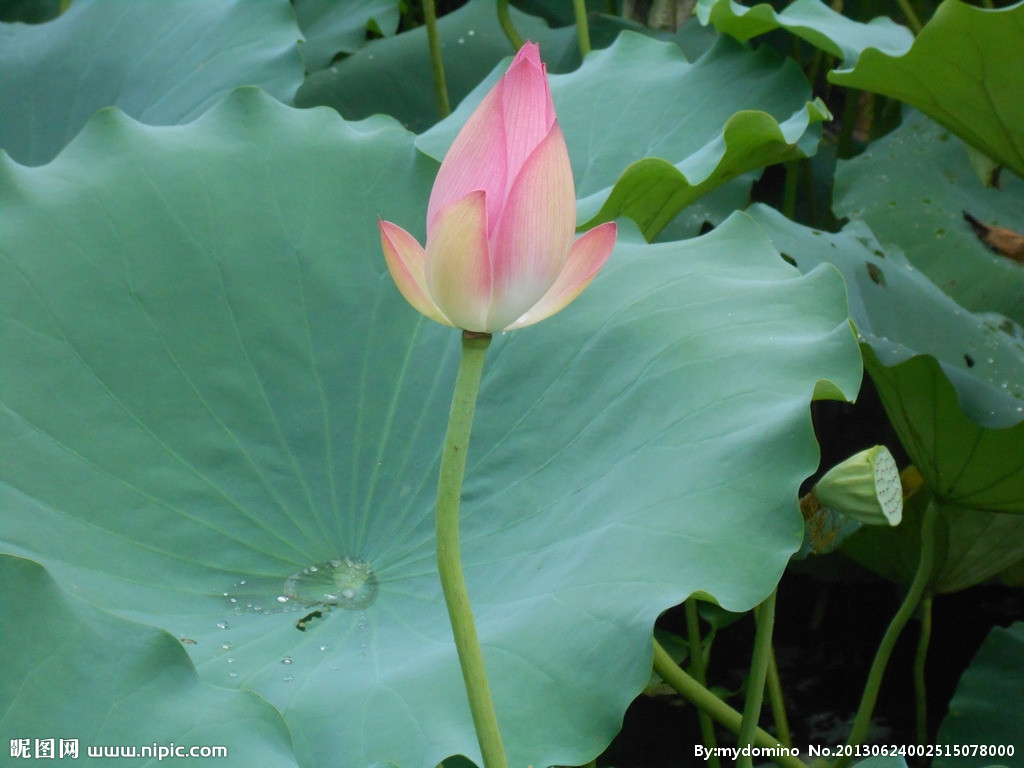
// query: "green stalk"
[[913, 21], [696, 643], [815, 68], [920, 691], [765, 616], [449, 563], [862, 720], [582, 30], [436, 64], [844, 143], [790, 189], [778, 702], [721, 712], [505, 19]]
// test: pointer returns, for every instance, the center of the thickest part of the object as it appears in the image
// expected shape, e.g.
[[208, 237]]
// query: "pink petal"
[[586, 258], [532, 239], [499, 137], [527, 108], [475, 161], [405, 260], [458, 274]]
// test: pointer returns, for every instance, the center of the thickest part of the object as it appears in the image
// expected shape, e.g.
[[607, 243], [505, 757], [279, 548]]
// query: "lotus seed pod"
[[865, 487]]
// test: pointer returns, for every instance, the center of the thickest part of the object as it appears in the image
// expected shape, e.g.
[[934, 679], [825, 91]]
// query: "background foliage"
[[210, 385]]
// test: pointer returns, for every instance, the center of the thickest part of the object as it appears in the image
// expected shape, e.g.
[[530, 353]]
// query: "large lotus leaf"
[[912, 187], [957, 72], [653, 132], [901, 313], [810, 20], [964, 463], [394, 75], [161, 63], [970, 546], [951, 381], [988, 706], [330, 27], [81, 677], [211, 385]]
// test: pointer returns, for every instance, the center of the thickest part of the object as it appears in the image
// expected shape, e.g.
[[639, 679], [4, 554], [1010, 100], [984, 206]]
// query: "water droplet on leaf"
[[346, 582]]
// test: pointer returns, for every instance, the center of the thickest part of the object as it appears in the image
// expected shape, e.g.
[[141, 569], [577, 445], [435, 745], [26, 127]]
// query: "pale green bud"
[[865, 487]]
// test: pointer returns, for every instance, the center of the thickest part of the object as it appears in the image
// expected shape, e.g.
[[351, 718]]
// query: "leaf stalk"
[[582, 28], [505, 19], [436, 63], [862, 720], [720, 712], [765, 617], [696, 643]]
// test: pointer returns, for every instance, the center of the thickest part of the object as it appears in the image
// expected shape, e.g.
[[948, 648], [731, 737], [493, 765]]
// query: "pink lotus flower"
[[500, 222]]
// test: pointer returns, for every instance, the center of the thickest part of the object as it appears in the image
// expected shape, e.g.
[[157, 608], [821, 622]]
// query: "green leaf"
[[901, 314], [963, 463], [331, 27], [394, 75], [987, 706], [645, 151], [810, 20], [912, 187], [712, 208], [653, 191], [211, 384], [72, 672], [950, 381], [956, 72], [971, 546], [161, 63]]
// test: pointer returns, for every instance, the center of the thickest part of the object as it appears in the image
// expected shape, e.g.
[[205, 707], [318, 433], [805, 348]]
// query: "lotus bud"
[[501, 218]]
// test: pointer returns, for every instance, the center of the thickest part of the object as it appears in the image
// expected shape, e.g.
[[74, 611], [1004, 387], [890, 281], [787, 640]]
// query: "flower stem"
[[920, 690], [582, 30], [505, 19], [721, 712], [765, 616], [778, 702], [707, 727], [436, 64], [449, 564], [874, 683]]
